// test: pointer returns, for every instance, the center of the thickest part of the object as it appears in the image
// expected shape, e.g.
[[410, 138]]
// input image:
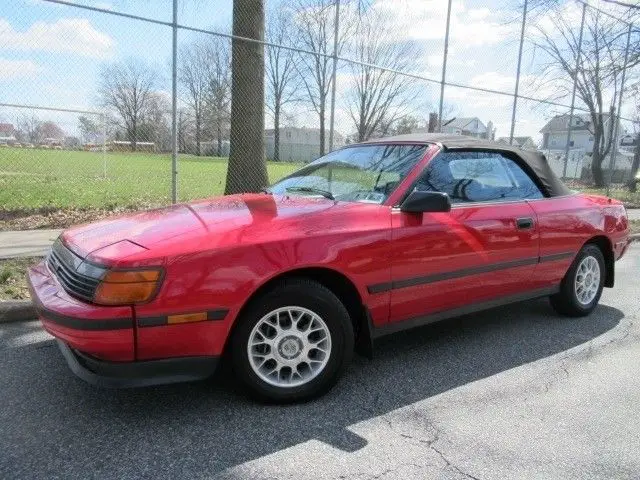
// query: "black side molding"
[[394, 327], [464, 272]]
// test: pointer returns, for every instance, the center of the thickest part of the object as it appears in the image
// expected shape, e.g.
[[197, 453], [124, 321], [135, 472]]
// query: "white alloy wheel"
[[587, 282], [289, 347]]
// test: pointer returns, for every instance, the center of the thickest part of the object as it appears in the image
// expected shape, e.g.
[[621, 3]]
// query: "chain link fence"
[[128, 104]]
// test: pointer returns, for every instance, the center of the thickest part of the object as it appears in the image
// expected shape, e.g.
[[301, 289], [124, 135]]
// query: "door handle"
[[524, 223]]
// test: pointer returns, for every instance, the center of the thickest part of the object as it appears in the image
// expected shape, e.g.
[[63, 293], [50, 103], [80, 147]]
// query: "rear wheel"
[[582, 285], [293, 342]]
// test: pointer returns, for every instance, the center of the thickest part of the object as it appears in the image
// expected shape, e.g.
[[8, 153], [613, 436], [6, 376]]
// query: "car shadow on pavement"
[[54, 424]]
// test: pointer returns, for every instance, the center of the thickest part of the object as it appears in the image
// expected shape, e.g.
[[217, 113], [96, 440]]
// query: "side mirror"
[[419, 202]]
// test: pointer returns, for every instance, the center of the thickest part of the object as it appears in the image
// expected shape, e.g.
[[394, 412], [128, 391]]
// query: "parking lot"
[[516, 392]]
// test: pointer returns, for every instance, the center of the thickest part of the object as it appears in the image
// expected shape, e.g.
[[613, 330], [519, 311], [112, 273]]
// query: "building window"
[[571, 143], [591, 139]]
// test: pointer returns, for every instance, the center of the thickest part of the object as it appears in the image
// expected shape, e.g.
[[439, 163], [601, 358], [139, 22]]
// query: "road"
[[517, 392]]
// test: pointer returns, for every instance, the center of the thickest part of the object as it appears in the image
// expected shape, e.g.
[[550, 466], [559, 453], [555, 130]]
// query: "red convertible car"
[[368, 240]]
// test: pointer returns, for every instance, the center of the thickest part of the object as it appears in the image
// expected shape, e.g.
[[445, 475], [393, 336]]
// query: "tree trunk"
[[633, 184], [276, 132], [596, 160], [247, 167], [596, 169]]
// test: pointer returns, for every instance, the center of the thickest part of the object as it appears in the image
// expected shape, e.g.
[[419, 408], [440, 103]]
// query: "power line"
[[623, 4]]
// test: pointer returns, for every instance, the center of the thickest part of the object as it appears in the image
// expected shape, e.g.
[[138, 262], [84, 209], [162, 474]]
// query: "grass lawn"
[[32, 178], [13, 278]]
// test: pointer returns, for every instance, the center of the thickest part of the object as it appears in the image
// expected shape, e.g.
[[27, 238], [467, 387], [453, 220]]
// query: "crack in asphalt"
[[437, 435], [452, 465]]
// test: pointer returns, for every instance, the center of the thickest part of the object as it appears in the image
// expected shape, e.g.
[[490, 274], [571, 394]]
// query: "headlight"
[[124, 287]]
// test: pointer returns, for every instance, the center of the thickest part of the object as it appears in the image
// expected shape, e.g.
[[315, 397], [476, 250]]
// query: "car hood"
[[202, 225]]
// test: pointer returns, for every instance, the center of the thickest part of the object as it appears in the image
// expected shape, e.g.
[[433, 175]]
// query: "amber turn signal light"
[[120, 287]]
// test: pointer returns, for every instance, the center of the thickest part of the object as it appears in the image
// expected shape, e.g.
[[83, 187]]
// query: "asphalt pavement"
[[516, 392]]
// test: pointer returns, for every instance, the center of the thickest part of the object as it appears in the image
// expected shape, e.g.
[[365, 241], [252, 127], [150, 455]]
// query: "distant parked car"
[[3, 144], [28, 145], [57, 147], [366, 241], [17, 145]]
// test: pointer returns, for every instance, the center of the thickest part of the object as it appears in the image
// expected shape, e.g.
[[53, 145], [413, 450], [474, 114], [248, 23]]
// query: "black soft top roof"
[[535, 162]]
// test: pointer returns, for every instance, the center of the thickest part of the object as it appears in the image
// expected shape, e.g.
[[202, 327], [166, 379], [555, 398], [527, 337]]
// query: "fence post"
[[515, 94], [444, 66], [174, 105], [336, 31], [573, 93], [616, 128], [104, 144]]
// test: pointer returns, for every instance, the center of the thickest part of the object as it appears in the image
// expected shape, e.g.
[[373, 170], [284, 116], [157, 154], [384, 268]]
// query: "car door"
[[486, 248]]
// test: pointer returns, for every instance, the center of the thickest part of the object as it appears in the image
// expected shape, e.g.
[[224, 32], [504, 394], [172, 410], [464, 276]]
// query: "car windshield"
[[363, 173]]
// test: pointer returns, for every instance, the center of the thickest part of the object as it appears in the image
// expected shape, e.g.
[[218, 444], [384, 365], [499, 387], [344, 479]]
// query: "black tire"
[[310, 295], [566, 301]]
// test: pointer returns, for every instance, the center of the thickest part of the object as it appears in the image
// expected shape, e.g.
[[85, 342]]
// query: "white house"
[[554, 133], [524, 143], [470, 126], [7, 133], [299, 144]]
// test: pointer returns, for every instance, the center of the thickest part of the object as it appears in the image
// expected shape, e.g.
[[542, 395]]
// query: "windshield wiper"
[[319, 191]]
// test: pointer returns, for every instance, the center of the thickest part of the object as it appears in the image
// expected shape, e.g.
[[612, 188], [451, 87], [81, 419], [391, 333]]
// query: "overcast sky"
[[50, 55]]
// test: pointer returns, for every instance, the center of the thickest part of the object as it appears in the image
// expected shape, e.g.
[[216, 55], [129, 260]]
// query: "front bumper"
[[137, 374], [98, 342], [102, 332]]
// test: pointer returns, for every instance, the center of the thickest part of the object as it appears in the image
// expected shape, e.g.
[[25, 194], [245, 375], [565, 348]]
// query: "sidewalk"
[[633, 213], [28, 243]]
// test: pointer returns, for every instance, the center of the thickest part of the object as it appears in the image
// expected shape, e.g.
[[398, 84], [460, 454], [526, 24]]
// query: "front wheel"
[[293, 342], [582, 285]]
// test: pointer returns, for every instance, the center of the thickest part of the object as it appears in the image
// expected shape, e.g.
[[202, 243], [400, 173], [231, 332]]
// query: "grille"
[[64, 264]]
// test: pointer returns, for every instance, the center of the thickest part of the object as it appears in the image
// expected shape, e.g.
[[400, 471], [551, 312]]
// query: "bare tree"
[[218, 88], [408, 124], [379, 97], [89, 128], [184, 125], [49, 129], [127, 88], [28, 127], [282, 77], [315, 25], [597, 77], [247, 167], [193, 75], [155, 125]]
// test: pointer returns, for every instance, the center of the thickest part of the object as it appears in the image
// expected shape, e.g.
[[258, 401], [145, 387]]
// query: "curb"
[[635, 237], [17, 311]]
